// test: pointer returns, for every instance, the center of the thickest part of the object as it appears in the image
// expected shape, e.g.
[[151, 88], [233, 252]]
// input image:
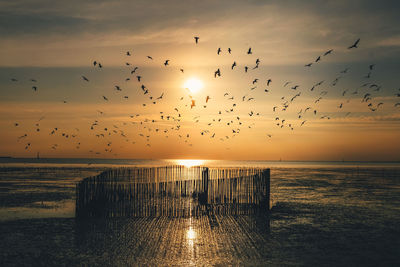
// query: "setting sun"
[[193, 85], [190, 162]]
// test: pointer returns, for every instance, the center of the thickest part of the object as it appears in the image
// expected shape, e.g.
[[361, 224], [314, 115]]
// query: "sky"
[[351, 115]]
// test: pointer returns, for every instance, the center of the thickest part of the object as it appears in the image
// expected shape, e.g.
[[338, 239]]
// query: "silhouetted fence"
[[174, 191]]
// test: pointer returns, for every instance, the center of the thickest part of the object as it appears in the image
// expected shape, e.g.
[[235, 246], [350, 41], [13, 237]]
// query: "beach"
[[325, 215]]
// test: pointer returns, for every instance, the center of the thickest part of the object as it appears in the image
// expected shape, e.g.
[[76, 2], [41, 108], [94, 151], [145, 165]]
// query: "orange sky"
[[58, 54]]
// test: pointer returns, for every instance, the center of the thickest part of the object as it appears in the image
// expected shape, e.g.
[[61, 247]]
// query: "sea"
[[322, 214]]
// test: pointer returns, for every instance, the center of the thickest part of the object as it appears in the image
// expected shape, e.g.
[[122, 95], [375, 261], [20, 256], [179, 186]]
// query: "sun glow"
[[191, 234], [189, 162], [193, 85]]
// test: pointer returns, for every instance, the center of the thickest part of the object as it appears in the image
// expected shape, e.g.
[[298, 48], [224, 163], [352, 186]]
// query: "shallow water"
[[321, 215]]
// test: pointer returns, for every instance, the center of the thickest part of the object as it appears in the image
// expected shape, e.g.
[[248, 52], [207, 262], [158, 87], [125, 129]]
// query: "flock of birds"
[[227, 119]]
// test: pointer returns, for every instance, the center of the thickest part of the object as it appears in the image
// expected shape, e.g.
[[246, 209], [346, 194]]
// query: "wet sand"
[[320, 217]]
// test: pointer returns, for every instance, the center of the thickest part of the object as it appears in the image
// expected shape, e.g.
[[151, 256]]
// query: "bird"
[[229, 50], [34, 88], [196, 39], [149, 57], [166, 62], [234, 64], [328, 52], [269, 81], [318, 59], [134, 70], [255, 80], [193, 104], [94, 63], [161, 96], [128, 53], [207, 98], [249, 52], [308, 65], [217, 73], [105, 98], [219, 51], [355, 45], [295, 87], [246, 68], [85, 79]]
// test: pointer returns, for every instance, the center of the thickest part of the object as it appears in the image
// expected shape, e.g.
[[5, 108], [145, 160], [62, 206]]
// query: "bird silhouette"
[[355, 45], [234, 64], [166, 62], [85, 79], [196, 39], [249, 52]]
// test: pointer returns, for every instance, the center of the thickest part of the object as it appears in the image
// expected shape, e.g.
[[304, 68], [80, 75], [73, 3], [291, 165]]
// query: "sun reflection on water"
[[191, 234]]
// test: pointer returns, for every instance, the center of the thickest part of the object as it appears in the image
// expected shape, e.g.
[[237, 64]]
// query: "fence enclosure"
[[174, 191]]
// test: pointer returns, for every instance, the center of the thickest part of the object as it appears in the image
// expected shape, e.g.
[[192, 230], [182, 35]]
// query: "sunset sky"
[[56, 42]]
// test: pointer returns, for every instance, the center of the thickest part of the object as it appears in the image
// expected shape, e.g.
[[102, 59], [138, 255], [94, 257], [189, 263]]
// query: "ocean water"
[[323, 214]]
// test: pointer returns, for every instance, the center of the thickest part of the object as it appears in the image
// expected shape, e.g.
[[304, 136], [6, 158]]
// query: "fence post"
[[203, 198], [266, 174]]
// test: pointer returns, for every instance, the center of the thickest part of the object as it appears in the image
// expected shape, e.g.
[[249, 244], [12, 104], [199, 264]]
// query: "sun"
[[189, 162], [193, 85]]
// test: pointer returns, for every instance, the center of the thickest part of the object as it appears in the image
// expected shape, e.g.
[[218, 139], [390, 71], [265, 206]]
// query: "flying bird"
[[234, 64], [217, 73], [328, 52], [85, 79], [166, 62], [355, 45], [196, 39], [249, 52]]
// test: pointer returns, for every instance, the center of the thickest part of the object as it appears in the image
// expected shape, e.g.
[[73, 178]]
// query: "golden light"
[[190, 162], [193, 85], [191, 234]]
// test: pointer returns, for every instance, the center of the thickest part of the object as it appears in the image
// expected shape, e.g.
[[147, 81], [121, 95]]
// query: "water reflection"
[[193, 241]]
